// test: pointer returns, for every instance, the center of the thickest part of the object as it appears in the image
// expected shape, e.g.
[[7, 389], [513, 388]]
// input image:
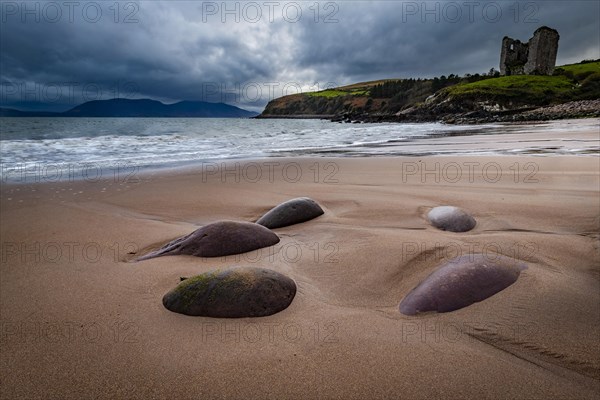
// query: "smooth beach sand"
[[81, 320]]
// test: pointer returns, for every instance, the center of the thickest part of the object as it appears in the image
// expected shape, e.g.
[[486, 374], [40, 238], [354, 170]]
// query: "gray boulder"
[[461, 282], [291, 212], [218, 239], [453, 219]]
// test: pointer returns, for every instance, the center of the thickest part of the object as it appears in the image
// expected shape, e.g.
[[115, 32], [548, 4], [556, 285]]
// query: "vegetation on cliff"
[[430, 99], [570, 82]]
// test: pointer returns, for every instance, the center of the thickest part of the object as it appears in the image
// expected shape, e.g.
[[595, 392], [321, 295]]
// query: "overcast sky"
[[245, 53]]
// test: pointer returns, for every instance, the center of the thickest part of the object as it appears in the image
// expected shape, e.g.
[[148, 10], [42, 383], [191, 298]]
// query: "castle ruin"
[[536, 57]]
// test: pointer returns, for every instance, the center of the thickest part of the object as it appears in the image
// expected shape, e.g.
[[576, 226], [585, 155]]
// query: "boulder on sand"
[[233, 293], [453, 219], [218, 239], [291, 212], [461, 282]]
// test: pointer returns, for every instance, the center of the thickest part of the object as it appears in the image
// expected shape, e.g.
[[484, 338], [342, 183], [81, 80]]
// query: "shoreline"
[[263, 166], [581, 109], [80, 319], [564, 138]]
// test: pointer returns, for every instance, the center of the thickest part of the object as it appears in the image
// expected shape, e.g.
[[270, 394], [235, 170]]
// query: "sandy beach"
[[81, 319]]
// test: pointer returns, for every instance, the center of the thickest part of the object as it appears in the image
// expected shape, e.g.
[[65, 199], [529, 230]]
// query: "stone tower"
[[538, 56], [513, 56], [543, 47]]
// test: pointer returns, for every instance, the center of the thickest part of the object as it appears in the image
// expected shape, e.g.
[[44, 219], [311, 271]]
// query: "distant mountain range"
[[140, 108]]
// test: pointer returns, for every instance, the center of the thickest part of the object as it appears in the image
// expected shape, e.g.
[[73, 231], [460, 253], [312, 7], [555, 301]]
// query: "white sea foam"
[[65, 143]]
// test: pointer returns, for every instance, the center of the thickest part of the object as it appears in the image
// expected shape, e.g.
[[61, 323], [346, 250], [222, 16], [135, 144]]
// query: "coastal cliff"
[[453, 99]]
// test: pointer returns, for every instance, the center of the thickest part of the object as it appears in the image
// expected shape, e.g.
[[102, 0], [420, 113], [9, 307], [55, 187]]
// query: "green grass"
[[330, 93], [512, 85], [517, 89], [577, 69], [568, 83]]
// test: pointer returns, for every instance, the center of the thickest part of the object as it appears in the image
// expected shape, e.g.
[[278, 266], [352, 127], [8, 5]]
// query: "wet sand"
[[81, 319]]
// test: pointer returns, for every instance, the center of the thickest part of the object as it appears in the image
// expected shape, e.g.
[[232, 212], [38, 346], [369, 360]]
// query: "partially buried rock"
[[291, 212], [451, 219], [233, 293], [219, 239], [461, 282]]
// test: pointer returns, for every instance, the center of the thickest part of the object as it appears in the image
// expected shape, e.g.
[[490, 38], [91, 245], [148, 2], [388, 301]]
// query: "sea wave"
[[27, 143]]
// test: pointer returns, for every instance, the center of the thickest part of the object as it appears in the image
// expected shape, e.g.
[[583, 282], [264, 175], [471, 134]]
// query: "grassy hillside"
[[582, 68], [446, 94], [525, 88], [570, 82]]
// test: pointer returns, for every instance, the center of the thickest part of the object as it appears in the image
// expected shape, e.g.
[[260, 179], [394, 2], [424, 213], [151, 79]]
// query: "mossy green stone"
[[233, 293]]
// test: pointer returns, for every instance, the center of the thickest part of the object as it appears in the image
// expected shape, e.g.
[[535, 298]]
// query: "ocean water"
[[74, 143]]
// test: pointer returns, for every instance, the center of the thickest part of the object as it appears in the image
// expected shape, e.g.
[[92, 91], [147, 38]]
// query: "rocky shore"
[[570, 110]]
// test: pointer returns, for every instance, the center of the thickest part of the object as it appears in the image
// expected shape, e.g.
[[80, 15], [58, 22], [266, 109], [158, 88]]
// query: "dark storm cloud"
[[429, 39], [249, 52]]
